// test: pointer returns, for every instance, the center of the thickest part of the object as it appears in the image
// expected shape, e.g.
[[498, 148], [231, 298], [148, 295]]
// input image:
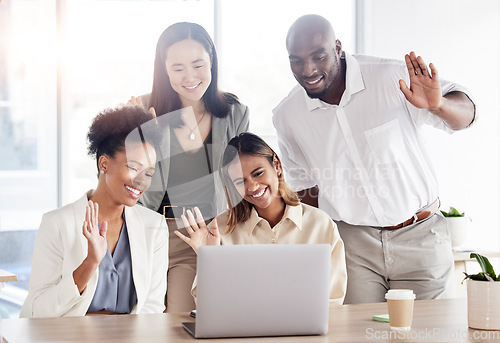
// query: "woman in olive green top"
[[198, 120]]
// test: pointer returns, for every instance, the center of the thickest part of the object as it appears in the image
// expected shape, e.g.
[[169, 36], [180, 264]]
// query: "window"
[[28, 122], [254, 60], [466, 163], [109, 49]]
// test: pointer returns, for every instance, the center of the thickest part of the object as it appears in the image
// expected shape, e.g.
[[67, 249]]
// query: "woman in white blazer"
[[103, 254]]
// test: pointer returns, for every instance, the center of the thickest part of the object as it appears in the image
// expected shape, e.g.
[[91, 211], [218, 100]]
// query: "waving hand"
[[137, 101], [425, 89], [95, 234], [199, 234]]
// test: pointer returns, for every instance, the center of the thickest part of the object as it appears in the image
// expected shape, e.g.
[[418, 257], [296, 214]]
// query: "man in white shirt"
[[350, 142]]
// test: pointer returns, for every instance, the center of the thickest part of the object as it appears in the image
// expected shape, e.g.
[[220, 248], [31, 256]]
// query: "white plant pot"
[[483, 304], [458, 227]]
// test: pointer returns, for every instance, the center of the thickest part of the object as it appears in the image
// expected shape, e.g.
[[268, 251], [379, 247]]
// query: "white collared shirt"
[[366, 154]]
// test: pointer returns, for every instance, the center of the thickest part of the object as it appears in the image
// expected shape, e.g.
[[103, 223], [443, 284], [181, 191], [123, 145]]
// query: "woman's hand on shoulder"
[[199, 234], [95, 234], [137, 101]]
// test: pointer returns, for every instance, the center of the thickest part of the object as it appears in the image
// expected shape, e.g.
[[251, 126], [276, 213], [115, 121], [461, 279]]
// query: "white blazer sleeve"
[[51, 294], [155, 301]]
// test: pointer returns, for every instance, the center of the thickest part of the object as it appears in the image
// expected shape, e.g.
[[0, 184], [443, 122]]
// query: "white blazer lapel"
[[79, 215], [138, 254], [80, 208]]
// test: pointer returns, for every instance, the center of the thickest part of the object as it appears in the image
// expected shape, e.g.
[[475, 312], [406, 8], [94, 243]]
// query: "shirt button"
[[273, 240]]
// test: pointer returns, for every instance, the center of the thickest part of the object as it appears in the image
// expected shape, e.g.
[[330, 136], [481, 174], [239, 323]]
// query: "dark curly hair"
[[113, 126], [163, 97]]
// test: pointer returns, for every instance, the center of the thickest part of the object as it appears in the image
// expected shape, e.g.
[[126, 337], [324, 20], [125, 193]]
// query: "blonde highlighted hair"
[[249, 144]]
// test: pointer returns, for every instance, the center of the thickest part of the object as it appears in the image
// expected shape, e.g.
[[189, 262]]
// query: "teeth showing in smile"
[[313, 82], [261, 193], [192, 87], [133, 190]]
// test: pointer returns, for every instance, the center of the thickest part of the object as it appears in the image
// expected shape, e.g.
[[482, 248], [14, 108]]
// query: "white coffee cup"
[[400, 306]]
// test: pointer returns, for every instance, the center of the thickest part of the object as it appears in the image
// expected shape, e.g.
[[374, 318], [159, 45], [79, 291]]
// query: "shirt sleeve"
[[51, 294], [422, 116], [298, 174], [194, 286], [155, 301], [338, 271]]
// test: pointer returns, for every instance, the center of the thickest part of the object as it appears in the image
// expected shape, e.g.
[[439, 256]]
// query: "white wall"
[[462, 38]]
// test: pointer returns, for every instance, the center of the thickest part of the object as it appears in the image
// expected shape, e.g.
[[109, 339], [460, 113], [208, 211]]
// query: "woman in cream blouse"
[[263, 210], [103, 254]]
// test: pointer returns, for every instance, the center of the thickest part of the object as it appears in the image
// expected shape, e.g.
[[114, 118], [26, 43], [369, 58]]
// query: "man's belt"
[[422, 214]]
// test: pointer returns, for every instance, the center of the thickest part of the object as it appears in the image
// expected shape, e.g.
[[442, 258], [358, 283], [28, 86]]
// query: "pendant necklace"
[[191, 135]]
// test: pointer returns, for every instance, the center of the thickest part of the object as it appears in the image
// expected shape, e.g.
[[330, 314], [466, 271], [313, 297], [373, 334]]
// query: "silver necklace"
[[191, 134]]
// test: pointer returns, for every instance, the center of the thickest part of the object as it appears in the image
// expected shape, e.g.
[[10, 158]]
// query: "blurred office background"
[[62, 61]]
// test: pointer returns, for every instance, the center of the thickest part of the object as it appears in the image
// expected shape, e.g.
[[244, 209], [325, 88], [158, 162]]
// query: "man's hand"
[[425, 89]]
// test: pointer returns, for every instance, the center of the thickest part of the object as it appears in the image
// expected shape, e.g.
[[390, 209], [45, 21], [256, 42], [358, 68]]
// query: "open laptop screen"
[[262, 290]]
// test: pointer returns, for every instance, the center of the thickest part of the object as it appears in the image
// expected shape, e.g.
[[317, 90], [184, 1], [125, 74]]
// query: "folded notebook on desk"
[[262, 290]]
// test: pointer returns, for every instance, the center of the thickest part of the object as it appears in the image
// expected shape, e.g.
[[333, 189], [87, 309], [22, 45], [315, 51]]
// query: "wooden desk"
[[434, 320], [7, 277]]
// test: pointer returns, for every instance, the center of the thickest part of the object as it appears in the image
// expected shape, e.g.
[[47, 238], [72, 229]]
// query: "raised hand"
[[199, 234], [95, 235], [425, 89], [138, 101], [152, 111]]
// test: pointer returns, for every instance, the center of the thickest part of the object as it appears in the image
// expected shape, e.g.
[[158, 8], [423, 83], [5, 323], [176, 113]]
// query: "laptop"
[[262, 290]]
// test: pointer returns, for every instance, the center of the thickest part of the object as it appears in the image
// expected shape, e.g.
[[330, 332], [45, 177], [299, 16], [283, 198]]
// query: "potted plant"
[[483, 296], [458, 224]]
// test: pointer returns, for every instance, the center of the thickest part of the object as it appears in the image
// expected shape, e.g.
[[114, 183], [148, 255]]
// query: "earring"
[[101, 171]]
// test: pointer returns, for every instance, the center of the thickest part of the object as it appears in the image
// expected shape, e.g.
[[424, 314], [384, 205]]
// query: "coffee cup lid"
[[400, 294]]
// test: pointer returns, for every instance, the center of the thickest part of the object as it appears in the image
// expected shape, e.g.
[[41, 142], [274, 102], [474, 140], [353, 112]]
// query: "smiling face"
[[128, 174], [188, 67], [315, 62], [256, 180]]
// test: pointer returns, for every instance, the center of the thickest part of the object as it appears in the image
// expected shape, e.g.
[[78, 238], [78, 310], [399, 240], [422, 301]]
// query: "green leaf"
[[486, 266], [478, 277], [453, 212]]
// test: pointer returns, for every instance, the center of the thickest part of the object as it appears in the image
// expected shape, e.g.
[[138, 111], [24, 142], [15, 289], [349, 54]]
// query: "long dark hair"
[[163, 97], [247, 143]]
